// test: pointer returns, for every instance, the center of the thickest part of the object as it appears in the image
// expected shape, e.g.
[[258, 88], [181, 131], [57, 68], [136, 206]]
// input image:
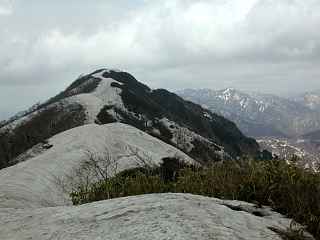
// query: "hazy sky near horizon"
[[269, 46]]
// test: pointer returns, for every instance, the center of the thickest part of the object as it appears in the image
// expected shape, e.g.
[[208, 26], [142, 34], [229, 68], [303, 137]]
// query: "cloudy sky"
[[261, 45]]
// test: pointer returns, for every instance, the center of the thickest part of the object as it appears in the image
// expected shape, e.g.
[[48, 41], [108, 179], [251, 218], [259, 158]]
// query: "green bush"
[[286, 188]]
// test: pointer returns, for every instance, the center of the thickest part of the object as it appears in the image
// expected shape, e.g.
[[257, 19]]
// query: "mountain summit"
[[107, 96]]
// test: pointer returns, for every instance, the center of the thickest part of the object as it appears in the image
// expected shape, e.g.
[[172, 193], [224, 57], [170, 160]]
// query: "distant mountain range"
[[261, 115], [287, 127]]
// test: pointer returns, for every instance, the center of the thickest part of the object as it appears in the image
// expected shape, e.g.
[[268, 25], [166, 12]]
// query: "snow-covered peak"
[[229, 94], [312, 100], [229, 90]]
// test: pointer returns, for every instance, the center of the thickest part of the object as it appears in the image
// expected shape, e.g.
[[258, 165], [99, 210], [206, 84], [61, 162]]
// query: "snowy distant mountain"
[[107, 96], [310, 99], [261, 114]]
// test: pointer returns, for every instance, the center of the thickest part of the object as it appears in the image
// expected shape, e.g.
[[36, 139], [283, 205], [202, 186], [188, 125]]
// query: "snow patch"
[[183, 137], [103, 95], [207, 115]]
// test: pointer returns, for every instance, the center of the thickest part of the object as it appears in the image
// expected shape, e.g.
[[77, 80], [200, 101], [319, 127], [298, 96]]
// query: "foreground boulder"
[[154, 216]]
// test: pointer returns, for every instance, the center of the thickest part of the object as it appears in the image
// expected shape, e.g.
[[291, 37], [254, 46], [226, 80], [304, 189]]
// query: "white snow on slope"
[[35, 182], [154, 216], [183, 137], [103, 95]]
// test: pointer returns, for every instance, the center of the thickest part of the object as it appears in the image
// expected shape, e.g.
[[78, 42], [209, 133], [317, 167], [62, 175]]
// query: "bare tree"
[[99, 167], [143, 159], [181, 138], [102, 165], [95, 167]]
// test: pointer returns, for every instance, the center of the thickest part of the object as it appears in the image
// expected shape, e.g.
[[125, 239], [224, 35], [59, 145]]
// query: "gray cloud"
[[5, 7], [264, 45]]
